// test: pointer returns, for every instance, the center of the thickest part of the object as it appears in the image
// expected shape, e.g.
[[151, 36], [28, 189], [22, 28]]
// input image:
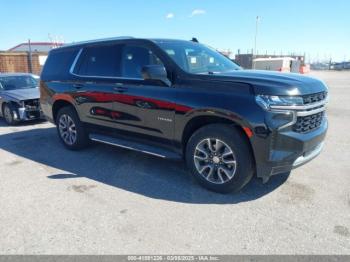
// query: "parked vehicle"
[[181, 99], [341, 66], [19, 97]]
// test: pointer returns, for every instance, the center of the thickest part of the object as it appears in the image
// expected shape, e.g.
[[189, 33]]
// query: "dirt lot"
[[107, 200]]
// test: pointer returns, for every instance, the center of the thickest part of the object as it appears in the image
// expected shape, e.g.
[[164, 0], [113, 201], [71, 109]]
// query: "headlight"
[[278, 102], [21, 104]]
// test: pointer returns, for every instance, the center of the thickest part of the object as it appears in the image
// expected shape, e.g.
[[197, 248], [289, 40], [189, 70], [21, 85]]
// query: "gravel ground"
[[106, 200]]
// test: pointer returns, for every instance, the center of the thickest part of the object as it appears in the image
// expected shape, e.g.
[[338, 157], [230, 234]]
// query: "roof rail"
[[97, 41]]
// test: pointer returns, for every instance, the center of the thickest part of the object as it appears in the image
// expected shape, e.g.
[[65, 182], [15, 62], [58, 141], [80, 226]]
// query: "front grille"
[[306, 124], [314, 98], [33, 114], [32, 104]]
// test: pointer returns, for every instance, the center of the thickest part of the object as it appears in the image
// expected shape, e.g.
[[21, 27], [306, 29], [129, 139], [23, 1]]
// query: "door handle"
[[78, 86], [120, 89]]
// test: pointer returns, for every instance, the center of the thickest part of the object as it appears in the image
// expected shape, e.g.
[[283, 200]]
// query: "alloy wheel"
[[215, 160], [8, 114], [67, 128]]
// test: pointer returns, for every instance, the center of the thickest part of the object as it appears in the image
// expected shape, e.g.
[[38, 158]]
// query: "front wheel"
[[219, 158], [70, 129], [8, 114]]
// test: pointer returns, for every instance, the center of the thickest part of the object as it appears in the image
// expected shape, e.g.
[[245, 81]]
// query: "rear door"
[[96, 72]]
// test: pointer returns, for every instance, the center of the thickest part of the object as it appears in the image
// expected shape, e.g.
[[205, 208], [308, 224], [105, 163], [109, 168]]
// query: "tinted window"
[[136, 57], [100, 61], [58, 63], [17, 82]]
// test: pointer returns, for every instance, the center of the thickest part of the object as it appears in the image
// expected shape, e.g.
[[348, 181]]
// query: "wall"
[[18, 62]]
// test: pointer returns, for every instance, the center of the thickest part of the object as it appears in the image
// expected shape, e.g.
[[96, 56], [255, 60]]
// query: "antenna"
[[194, 40]]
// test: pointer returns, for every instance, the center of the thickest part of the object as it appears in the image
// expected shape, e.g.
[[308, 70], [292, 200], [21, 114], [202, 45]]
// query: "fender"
[[51, 107], [183, 121]]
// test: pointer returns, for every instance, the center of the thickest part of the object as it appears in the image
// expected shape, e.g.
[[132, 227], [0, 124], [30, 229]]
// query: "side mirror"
[[155, 72]]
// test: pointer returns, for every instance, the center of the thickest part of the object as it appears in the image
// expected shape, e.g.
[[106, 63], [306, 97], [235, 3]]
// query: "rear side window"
[[58, 64], [136, 57], [100, 61]]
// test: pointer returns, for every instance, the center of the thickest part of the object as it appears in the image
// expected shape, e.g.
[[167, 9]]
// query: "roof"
[[97, 41], [36, 46], [112, 39]]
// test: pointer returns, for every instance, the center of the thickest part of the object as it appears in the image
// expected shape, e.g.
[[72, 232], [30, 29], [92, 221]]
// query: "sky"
[[320, 29]]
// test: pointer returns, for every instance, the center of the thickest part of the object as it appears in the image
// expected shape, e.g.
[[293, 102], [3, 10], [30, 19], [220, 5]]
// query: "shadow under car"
[[125, 169]]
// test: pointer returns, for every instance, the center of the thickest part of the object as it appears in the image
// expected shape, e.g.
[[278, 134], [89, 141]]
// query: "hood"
[[23, 94], [275, 83]]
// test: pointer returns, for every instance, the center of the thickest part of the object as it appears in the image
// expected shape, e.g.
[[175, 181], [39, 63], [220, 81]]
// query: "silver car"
[[19, 97]]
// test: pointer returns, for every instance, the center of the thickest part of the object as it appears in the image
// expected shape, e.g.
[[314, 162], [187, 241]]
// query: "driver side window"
[[134, 58]]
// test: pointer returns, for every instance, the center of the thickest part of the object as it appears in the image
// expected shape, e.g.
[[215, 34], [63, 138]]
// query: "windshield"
[[196, 58], [18, 82]]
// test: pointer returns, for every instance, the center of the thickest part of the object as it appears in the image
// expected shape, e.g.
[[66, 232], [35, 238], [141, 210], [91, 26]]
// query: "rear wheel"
[[219, 158], [70, 129], [8, 114]]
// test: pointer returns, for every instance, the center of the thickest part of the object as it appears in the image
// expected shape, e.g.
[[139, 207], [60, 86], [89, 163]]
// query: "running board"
[[135, 146]]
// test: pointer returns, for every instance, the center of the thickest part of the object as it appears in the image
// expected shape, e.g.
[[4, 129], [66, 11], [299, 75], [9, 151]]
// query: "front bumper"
[[308, 156], [286, 150], [22, 114]]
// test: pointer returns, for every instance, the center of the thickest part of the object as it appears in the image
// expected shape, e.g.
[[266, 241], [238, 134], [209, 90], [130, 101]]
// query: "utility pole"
[[256, 34], [30, 60]]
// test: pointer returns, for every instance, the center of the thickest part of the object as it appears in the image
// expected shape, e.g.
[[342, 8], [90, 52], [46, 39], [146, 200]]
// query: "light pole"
[[256, 34]]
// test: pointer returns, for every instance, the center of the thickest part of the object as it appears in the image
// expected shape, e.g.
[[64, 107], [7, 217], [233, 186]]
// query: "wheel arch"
[[6, 102], [58, 104], [199, 121], [2, 105]]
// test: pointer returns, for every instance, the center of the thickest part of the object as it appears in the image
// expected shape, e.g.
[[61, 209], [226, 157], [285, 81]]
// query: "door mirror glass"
[[155, 72]]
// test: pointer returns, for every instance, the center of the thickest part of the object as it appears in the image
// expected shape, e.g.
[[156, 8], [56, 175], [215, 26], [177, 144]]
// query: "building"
[[246, 60], [35, 47], [25, 57], [228, 53], [341, 66]]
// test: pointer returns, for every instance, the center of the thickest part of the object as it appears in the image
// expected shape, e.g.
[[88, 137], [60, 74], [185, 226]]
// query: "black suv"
[[181, 99]]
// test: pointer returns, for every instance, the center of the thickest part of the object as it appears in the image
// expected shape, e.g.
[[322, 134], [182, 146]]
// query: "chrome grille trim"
[[307, 117], [310, 112], [302, 107]]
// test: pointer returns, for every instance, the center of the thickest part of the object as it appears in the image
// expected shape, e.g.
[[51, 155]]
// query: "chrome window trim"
[[75, 61], [71, 70]]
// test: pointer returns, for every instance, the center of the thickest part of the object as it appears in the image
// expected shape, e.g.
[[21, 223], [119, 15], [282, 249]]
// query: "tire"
[[8, 114], [71, 130], [222, 154]]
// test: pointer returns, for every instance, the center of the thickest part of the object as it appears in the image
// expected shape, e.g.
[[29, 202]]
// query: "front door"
[[146, 108]]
